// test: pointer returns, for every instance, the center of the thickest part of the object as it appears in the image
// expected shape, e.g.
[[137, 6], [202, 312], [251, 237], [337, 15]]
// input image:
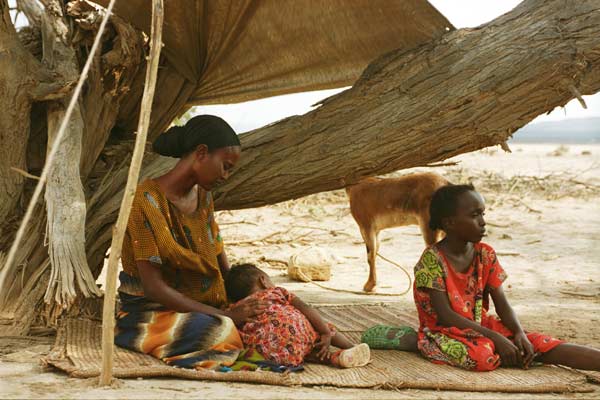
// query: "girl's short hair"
[[240, 280], [443, 203]]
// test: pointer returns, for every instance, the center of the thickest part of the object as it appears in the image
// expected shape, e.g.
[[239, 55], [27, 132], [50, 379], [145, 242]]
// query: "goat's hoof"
[[369, 287]]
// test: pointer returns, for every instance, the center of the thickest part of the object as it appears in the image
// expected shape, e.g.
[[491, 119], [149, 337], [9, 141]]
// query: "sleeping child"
[[289, 331]]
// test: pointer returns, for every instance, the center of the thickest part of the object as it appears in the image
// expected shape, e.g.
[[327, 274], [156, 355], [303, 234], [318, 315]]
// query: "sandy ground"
[[544, 221]]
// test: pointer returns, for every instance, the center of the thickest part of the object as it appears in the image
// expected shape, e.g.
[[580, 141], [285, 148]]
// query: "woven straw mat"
[[78, 351]]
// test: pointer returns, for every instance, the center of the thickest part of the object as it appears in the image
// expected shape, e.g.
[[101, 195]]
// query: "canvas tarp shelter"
[[228, 51]]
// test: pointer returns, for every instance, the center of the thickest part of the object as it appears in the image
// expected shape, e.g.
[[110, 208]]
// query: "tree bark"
[[108, 82], [20, 73], [471, 89], [65, 200]]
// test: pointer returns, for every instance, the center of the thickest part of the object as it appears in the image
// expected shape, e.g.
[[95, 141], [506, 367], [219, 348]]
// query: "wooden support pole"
[[108, 314]]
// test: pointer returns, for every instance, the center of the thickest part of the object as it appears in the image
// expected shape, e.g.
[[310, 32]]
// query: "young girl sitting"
[[289, 331], [453, 280]]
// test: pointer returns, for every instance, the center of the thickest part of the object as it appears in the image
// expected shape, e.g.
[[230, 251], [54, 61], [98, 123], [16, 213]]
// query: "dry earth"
[[544, 221]]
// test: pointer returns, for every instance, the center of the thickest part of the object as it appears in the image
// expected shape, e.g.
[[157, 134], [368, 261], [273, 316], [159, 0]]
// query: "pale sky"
[[462, 14]]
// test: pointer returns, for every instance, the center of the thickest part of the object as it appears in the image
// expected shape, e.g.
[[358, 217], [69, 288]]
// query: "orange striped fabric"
[[186, 340]]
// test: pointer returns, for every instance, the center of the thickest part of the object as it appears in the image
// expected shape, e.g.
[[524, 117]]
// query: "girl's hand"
[[245, 310], [525, 348], [323, 345], [509, 353]]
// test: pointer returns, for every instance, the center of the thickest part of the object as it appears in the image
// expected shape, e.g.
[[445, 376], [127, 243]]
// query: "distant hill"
[[576, 130]]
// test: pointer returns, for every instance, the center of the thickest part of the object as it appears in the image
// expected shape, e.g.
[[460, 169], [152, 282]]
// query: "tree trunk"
[[23, 283], [471, 89], [65, 200], [20, 75]]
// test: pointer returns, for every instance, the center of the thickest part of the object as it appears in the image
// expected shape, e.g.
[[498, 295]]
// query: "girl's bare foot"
[[357, 356]]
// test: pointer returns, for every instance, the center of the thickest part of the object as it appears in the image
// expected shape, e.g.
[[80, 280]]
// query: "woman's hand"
[[508, 351], [245, 310], [525, 348], [322, 346]]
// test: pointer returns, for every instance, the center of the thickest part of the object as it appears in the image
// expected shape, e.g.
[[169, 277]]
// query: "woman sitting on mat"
[[289, 331], [172, 288], [453, 280]]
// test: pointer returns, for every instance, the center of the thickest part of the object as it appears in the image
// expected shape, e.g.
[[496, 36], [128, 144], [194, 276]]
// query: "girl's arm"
[[511, 321], [509, 353], [320, 326], [505, 311], [312, 315], [448, 317]]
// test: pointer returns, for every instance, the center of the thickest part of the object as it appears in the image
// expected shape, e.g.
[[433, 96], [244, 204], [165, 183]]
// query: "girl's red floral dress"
[[468, 294], [281, 334]]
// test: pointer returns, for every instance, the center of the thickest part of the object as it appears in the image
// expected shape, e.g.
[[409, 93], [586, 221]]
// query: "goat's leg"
[[371, 241]]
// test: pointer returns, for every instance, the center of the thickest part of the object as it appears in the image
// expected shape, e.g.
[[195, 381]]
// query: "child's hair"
[[443, 203], [240, 280]]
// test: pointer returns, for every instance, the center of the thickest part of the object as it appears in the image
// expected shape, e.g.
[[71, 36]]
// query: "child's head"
[[458, 210], [244, 279]]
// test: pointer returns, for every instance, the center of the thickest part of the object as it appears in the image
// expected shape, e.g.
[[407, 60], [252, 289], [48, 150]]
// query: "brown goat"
[[380, 203]]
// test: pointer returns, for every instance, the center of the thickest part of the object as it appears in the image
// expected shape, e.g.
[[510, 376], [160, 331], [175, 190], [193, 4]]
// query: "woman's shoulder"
[[150, 191], [150, 186]]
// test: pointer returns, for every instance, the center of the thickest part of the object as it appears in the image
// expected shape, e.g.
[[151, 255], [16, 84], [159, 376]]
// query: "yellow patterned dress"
[[185, 246]]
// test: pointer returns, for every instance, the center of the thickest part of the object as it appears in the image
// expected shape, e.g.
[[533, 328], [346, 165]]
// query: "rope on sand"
[[309, 280]]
